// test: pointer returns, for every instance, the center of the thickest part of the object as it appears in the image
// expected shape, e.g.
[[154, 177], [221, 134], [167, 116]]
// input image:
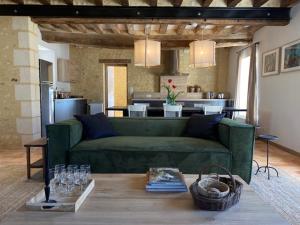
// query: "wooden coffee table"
[[121, 199]]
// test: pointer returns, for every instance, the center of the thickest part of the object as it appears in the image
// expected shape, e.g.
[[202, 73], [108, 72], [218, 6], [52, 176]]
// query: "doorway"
[[116, 88], [46, 95]]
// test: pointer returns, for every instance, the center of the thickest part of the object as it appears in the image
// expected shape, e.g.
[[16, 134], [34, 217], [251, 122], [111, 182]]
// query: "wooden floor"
[[278, 158]]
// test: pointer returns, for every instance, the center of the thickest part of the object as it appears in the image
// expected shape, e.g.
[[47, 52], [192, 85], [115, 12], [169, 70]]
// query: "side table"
[[267, 138], [39, 143]]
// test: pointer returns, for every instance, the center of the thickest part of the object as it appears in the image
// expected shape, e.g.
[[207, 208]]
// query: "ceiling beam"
[[155, 36], [176, 3], [288, 3], [152, 3], [99, 2], [205, 3], [130, 28], [98, 28], [217, 29], [181, 28], [80, 28], [224, 22], [238, 29], [45, 2], [198, 29], [115, 29], [147, 29], [65, 27], [259, 3], [48, 27], [68, 2], [18, 1], [163, 28], [125, 2], [94, 40], [142, 13], [233, 3]]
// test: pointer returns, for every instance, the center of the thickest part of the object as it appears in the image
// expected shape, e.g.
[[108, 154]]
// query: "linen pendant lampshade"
[[147, 53], [202, 53]]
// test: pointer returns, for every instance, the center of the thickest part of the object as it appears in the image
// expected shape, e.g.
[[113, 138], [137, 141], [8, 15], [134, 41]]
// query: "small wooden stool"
[[41, 143]]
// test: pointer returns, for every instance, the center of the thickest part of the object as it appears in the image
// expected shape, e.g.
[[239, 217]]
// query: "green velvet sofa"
[[152, 142]]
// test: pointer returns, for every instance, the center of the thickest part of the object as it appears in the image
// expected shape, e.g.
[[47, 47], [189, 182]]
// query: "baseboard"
[[286, 149]]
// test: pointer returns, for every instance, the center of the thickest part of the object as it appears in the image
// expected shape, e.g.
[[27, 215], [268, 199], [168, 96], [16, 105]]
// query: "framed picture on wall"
[[290, 57], [271, 62]]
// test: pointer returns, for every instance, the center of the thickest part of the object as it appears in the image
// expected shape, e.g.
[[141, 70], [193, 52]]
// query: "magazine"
[[165, 180]]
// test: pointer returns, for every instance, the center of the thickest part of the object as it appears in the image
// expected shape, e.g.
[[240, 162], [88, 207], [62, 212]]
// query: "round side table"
[[267, 138]]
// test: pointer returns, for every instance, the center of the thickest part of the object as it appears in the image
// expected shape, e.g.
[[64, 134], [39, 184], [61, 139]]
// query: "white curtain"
[[242, 83], [246, 93]]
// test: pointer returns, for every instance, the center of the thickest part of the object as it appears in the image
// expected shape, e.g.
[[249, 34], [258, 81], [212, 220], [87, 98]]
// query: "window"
[[242, 85]]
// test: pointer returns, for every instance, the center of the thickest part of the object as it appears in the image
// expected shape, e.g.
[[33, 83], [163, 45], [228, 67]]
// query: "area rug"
[[15, 189], [283, 193]]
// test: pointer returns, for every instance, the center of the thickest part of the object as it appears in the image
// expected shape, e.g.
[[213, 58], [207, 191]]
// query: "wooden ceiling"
[[173, 33]]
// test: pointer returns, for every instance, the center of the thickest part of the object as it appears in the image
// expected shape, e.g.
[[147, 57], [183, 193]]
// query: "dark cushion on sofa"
[[203, 126], [96, 126]]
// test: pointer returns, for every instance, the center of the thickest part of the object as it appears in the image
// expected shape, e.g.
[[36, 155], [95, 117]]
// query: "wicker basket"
[[217, 204]]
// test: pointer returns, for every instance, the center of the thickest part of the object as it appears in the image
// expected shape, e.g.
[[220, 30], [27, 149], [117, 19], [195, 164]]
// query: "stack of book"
[[165, 180]]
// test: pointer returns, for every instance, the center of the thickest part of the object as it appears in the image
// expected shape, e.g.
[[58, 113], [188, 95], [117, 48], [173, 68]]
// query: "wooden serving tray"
[[64, 203]]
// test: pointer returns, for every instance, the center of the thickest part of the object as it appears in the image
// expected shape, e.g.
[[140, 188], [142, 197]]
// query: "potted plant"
[[172, 95]]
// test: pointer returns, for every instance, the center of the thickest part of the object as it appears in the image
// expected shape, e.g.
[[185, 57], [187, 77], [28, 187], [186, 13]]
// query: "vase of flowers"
[[171, 90]]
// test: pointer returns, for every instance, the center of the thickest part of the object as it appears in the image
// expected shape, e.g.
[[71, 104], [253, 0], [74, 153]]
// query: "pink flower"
[[173, 86], [170, 81]]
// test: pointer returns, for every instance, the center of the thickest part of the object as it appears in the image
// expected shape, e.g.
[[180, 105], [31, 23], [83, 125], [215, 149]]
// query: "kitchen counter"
[[66, 108], [69, 99], [188, 102], [182, 100]]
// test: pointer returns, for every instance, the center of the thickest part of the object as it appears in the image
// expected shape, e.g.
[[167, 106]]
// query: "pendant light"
[[147, 53], [202, 53]]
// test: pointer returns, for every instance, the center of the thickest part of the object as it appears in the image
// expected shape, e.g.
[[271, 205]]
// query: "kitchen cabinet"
[[63, 70]]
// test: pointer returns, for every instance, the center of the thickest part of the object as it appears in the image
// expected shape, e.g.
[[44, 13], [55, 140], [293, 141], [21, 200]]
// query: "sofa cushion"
[[135, 154], [95, 126], [203, 126], [137, 143]]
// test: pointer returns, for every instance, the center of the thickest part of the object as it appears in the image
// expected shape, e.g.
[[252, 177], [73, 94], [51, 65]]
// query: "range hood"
[[171, 58]]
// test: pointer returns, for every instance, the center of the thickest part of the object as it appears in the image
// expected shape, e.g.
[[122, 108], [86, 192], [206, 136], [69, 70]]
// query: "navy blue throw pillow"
[[203, 126], [96, 126]]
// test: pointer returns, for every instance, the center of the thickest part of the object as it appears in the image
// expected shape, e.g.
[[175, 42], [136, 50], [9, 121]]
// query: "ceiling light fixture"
[[202, 53], [147, 53]]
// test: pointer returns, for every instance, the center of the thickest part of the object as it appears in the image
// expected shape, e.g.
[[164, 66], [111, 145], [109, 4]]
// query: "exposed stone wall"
[[19, 78], [87, 73]]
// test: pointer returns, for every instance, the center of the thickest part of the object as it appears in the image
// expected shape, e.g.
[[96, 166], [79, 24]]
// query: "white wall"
[[51, 52], [279, 94]]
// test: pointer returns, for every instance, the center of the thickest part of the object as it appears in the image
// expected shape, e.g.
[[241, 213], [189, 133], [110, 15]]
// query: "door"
[[116, 88], [46, 99]]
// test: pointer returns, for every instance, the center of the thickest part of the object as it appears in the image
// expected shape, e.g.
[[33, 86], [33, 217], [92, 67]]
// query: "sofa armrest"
[[239, 139], [62, 137]]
